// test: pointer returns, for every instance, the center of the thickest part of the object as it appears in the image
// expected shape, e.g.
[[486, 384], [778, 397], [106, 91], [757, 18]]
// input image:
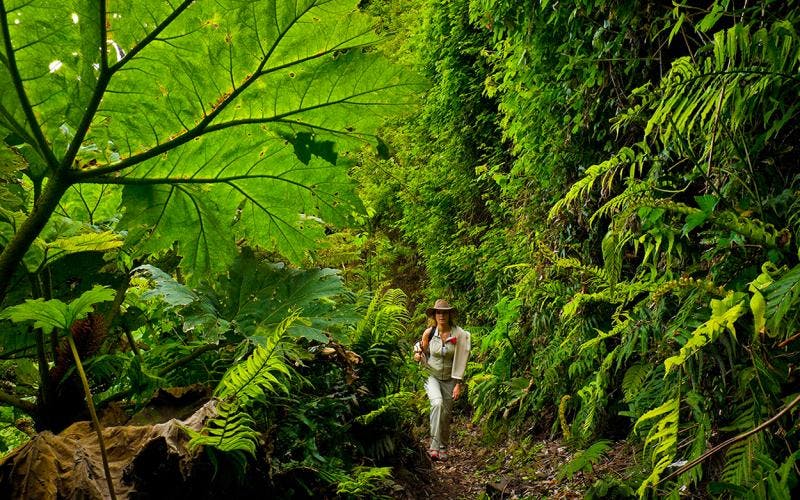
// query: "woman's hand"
[[457, 391]]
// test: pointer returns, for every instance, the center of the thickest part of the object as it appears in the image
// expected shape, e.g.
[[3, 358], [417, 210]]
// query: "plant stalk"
[[28, 231], [90, 404], [190, 357], [12, 400]]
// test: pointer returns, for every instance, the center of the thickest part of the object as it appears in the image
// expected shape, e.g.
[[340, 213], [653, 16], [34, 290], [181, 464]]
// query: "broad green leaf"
[[85, 242], [50, 314], [257, 296], [96, 204], [706, 202], [166, 287], [158, 216], [223, 119], [758, 305], [63, 236]]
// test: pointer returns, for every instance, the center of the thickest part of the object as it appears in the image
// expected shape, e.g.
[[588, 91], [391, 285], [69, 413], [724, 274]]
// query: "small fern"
[[231, 431], [367, 482], [584, 460], [259, 374], [739, 458], [604, 172], [634, 378], [398, 402], [662, 440]]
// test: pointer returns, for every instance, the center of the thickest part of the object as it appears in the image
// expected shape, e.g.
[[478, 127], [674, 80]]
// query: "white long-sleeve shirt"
[[452, 359]]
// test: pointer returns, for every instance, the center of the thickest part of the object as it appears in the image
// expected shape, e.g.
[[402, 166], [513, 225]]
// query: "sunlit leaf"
[[223, 120]]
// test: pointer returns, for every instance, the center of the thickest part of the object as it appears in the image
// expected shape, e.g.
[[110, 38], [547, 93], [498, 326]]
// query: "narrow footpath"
[[515, 469]]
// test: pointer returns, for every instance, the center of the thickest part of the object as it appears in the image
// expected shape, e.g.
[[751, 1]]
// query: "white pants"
[[440, 393]]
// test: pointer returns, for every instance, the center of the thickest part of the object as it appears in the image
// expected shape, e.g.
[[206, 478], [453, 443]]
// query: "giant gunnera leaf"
[[220, 120]]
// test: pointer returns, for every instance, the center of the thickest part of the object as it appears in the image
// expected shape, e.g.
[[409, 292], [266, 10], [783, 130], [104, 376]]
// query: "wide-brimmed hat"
[[440, 305]]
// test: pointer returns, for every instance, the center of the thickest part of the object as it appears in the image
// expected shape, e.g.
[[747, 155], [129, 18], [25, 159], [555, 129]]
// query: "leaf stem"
[[131, 341], [29, 229], [44, 387], [103, 36], [25, 104], [191, 356], [90, 404]]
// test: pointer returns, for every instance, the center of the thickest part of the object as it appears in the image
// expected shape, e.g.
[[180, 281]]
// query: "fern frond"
[[724, 314], [783, 297], [230, 431], [593, 274], [622, 293], [632, 196], [661, 440], [618, 328], [739, 462], [584, 460], [602, 173], [261, 372], [594, 394], [633, 380], [386, 314], [398, 402], [367, 482], [743, 71]]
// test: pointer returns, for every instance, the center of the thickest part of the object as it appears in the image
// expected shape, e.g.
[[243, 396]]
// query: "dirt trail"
[[516, 469]]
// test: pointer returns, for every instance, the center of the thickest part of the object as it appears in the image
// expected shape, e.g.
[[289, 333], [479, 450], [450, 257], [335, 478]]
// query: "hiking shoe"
[[434, 454], [443, 455]]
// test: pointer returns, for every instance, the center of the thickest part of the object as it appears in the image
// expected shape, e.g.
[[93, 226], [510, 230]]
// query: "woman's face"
[[442, 317]]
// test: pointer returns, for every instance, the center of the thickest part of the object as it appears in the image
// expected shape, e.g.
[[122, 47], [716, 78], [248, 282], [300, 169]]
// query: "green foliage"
[[585, 459], [10, 435], [372, 482], [51, 314], [432, 197], [266, 127], [639, 243], [263, 372], [251, 299], [196, 152], [724, 314], [610, 487]]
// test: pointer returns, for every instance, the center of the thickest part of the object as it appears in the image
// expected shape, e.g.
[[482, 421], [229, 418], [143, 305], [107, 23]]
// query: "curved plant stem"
[[12, 400], [191, 356], [732, 440], [93, 413]]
